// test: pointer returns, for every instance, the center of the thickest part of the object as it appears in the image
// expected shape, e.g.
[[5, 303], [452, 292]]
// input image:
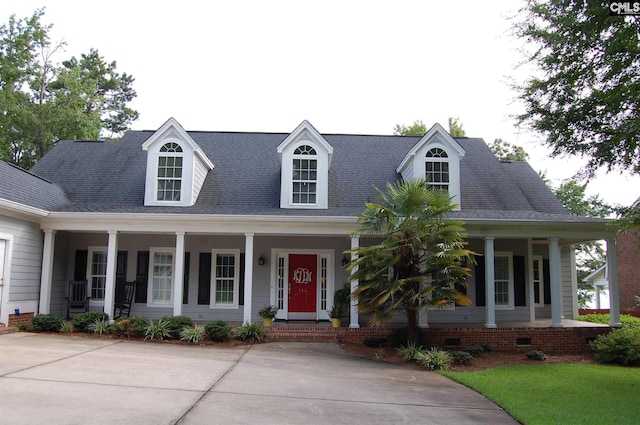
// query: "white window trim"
[[438, 160], [188, 169], [236, 279], [152, 252], [90, 251], [541, 286], [314, 157], [511, 304], [161, 154]]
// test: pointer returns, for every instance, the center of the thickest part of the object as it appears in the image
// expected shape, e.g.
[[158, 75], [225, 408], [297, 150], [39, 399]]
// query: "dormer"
[[436, 159], [305, 158], [176, 167]]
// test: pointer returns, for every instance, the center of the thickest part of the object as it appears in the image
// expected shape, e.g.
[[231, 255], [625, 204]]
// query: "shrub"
[[252, 332], [81, 321], [410, 352], [22, 327], [536, 355], [461, 357], [66, 328], [620, 346], [176, 324], [100, 327], [435, 359], [372, 341], [136, 327], [476, 350], [47, 323], [626, 319], [399, 337], [217, 330], [158, 330], [192, 334], [380, 353]]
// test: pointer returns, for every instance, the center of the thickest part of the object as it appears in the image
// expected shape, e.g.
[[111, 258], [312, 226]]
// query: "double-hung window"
[[161, 276], [170, 163], [225, 278], [97, 273], [305, 175], [437, 169], [503, 269], [538, 281]]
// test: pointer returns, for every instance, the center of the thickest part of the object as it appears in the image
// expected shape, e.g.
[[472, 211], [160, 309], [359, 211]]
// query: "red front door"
[[302, 282]]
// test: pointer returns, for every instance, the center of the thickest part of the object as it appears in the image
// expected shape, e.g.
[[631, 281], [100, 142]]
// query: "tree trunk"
[[413, 325]]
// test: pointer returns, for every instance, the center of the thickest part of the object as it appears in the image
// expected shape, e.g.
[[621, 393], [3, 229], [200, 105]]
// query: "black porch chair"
[[124, 299], [77, 297]]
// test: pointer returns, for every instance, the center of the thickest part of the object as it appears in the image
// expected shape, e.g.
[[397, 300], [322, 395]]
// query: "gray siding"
[[26, 259]]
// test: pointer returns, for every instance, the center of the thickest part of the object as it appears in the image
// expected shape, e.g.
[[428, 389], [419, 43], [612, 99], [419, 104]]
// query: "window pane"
[[162, 278], [225, 278]]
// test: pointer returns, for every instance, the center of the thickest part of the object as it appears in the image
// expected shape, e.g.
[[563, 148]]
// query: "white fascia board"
[[201, 223], [305, 126], [582, 232], [23, 211], [435, 129]]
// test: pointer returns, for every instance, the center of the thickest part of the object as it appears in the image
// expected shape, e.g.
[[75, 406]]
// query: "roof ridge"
[[17, 167]]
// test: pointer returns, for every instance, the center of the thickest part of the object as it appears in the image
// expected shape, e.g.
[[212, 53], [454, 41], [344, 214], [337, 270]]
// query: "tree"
[[505, 151], [585, 99], [455, 127], [42, 102], [589, 255], [420, 259], [418, 128]]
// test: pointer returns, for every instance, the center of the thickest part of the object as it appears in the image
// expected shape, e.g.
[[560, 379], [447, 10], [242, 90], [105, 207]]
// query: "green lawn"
[[561, 393]]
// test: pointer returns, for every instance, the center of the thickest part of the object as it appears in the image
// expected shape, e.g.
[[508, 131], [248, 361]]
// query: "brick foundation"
[[25, 318], [567, 340], [550, 340]]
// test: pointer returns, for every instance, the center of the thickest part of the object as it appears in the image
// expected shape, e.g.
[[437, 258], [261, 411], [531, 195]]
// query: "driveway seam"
[[208, 390], [437, 406], [8, 375]]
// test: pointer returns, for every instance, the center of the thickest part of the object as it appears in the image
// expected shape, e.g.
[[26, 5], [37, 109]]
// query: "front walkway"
[[61, 379]]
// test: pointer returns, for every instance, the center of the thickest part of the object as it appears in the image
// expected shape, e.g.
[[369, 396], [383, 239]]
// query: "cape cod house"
[[214, 225]]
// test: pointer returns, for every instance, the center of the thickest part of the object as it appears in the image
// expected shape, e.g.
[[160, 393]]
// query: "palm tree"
[[419, 260]]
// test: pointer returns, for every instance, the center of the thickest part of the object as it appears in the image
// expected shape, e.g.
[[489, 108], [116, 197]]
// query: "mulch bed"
[[486, 361]]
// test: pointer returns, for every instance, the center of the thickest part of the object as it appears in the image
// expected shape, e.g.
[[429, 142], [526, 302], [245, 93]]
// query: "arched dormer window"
[[170, 162], [305, 175], [437, 169]]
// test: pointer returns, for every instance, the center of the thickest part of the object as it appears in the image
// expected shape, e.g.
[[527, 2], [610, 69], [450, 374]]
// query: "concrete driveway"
[[49, 379]]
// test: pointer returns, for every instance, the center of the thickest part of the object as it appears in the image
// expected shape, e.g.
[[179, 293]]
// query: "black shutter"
[[121, 268], [204, 279], [185, 281], [547, 281], [142, 276], [241, 279], [481, 296], [80, 269], [519, 281]]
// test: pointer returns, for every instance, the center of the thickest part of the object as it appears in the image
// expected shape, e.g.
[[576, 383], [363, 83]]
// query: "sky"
[[346, 66]]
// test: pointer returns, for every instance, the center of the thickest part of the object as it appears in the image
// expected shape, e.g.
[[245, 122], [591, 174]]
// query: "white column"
[[248, 276], [532, 299], [353, 311], [110, 279], [490, 282], [46, 271], [178, 275], [556, 285], [612, 276]]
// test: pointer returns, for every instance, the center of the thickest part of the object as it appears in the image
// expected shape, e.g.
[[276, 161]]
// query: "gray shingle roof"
[[110, 177], [28, 189]]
